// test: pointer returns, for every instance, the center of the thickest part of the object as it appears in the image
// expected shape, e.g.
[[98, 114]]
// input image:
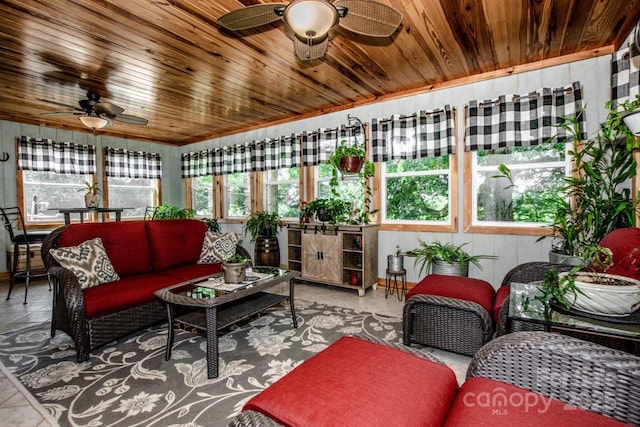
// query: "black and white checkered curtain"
[[123, 163], [523, 120], [231, 159], [424, 134], [318, 145], [38, 154], [272, 154], [197, 163], [625, 72]]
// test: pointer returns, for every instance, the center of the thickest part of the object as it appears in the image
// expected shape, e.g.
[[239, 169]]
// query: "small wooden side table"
[[400, 289]]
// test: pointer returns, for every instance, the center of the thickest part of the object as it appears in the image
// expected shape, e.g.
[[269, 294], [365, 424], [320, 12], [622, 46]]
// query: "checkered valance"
[[38, 154], [625, 73], [523, 120], [122, 163], [272, 154], [318, 145], [424, 134]]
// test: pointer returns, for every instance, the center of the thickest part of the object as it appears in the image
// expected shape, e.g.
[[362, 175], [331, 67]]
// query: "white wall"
[[594, 75]]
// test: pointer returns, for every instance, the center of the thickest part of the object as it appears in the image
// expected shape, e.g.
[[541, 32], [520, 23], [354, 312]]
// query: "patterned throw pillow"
[[217, 247], [88, 261]]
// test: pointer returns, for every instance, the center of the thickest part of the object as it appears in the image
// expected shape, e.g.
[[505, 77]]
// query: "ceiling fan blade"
[[250, 16], [108, 108], [63, 113], [130, 120], [71, 107], [307, 52], [369, 18]]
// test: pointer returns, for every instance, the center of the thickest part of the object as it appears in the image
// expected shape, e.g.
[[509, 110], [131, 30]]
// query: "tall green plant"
[[262, 224]]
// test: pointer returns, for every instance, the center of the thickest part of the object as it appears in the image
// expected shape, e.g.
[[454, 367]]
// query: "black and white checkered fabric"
[[318, 145], [123, 163], [197, 163], [273, 154], [424, 134], [38, 154], [524, 120], [625, 73]]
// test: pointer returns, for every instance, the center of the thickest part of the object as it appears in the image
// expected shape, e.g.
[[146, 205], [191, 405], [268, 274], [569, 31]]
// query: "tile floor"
[[19, 409]]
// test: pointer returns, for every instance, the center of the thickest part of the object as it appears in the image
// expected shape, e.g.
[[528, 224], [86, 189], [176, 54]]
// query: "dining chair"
[[26, 241], [150, 212]]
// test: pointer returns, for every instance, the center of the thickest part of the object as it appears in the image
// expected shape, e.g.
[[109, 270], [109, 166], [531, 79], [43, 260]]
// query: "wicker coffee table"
[[199, 308]]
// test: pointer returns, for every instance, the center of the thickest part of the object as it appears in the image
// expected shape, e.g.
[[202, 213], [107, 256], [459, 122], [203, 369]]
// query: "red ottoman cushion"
[[463, 288], [487, 402], [355, 382], [501, 295]]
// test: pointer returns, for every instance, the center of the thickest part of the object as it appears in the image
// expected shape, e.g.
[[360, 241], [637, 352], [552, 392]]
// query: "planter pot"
[[443, 267], [234, 272], [351, 164], [324, 215], [560, 258], [91, 200], [395, 262], [267, 251], [632, 121], [613, 296]]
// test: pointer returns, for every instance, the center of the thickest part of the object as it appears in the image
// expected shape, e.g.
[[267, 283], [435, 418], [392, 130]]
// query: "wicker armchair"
[[581, 373]]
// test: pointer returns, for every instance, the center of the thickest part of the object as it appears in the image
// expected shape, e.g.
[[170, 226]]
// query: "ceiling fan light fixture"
[[311, 19], [94, 122]]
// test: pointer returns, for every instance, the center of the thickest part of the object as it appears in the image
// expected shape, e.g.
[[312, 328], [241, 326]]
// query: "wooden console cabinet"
[[336, 255]]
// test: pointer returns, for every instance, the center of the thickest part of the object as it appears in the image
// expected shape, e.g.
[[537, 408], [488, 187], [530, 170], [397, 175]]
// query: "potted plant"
[[445, 258], [263, 228], [235, 269], [212, 224], [348, 158], [395, 262], [329, 209], [600, 198], [91, 197], [173, 212]]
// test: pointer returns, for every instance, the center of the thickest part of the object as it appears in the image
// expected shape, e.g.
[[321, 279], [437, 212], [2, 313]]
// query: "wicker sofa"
[[524, 378], [146, 255]]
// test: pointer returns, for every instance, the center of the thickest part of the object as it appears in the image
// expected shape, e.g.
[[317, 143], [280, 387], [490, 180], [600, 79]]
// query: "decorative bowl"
[[605, 298]]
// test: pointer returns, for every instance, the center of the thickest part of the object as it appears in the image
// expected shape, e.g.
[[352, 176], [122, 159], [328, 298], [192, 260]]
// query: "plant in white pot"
[[235, 269], [92, 194], [445, 258]]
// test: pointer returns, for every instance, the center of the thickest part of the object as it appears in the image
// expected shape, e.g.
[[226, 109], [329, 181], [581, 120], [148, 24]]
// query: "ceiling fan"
[[311, 21], [95, 114]]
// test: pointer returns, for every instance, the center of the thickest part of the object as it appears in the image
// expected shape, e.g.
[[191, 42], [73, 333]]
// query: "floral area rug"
[[129, 383]]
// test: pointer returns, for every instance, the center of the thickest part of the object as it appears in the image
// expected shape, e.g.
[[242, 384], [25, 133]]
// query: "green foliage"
[[236, 259], [426, 254], [262, 224], [90, 188], [554, 288], [336, 208], [173, 212], [212, 224]]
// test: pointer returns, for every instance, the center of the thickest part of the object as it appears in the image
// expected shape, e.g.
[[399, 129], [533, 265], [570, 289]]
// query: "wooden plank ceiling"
[[169, 62]]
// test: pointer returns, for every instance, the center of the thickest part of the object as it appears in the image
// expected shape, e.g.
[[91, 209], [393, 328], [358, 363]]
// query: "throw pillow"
[[217, 247], [88, 261]]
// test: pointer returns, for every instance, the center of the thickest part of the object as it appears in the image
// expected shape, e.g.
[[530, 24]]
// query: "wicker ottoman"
[[449, 312]]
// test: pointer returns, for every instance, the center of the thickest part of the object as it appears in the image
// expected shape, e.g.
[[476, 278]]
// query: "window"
[[133, 193], [416, 190], [282, 192], [202, 195], [525, 194], [45, 192], [349, 186], [237, 195]]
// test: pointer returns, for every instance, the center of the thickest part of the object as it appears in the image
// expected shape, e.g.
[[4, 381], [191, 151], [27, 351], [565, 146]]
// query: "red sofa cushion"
[[501, 295], [192, 271], [625, 247], [487, 402], [120, 239], [331, 389], [174, 242], [463, 288], [125, 293]]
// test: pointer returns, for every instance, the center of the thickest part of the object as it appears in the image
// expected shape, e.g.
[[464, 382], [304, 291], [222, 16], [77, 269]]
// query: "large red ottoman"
[[355, 382], [449, 312]]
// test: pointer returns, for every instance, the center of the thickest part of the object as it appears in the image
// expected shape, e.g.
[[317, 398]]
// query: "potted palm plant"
[[92, 195], [445, 258], [263, 228]]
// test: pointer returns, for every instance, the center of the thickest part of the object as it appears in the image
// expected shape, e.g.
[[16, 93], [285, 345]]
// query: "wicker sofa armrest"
[[423, 301], [581, 373]]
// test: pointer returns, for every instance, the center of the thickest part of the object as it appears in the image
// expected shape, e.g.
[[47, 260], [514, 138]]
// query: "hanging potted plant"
[[445, 258], [348, 158], [92, 195]]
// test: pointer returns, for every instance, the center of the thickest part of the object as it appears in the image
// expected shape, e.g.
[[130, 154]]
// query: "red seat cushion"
[[487, 402], [174, 242], [191, 271], [501, 295], [120, 240], [127, 292], [625, 248], [463, 288], [354, 382]]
